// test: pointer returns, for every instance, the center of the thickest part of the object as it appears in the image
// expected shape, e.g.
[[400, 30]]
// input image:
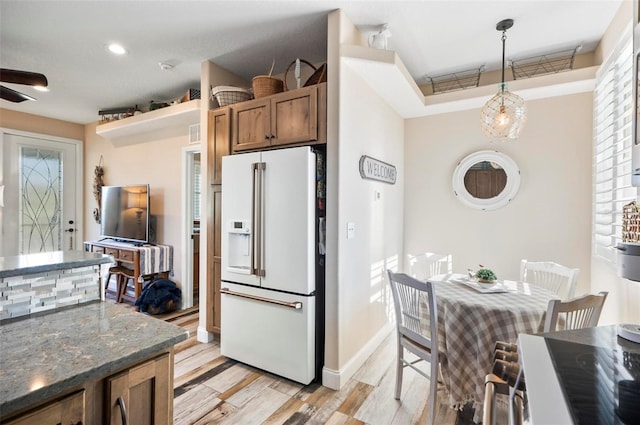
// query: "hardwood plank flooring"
[[212, 389]]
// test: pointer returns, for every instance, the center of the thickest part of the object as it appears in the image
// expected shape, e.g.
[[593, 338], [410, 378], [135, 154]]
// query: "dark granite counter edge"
[[61, 388], [59, 266]]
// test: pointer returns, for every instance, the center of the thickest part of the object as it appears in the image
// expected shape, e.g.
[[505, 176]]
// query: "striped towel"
[[155, 259]]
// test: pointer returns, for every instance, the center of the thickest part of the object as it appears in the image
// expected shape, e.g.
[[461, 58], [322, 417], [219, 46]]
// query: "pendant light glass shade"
[[504, 115]]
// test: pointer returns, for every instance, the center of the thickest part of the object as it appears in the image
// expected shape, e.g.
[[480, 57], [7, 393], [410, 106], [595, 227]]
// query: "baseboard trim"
[[204, 336], [336, 379]]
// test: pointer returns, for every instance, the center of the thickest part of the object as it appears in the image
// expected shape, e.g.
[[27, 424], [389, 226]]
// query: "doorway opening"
[[191, 209]]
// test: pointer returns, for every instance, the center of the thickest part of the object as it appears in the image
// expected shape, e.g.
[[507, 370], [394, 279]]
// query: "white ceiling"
[[65, 40]]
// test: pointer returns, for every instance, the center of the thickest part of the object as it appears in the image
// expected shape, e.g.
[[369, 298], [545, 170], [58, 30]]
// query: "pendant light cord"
[[504, 39]]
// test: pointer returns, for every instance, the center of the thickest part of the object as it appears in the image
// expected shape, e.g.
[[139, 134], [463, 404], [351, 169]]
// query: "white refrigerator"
[[268, 292]]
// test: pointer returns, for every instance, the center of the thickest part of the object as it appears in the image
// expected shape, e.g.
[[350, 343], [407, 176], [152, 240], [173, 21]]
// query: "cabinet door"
[[251, 126], [219, 141], [142, 395], [213, 296], [217, 281], [294, 116], [69, 410]]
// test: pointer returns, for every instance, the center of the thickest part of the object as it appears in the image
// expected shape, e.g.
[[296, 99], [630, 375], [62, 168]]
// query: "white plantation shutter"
[[613, 114], [197, 188]]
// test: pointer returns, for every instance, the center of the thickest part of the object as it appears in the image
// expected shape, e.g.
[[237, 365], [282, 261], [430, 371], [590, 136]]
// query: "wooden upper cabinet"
[[293, 117], [219, 142], [251, 128]]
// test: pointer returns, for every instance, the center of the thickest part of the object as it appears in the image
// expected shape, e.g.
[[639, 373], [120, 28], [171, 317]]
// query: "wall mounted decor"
[[98, 182], [373, 169], [486, 180]]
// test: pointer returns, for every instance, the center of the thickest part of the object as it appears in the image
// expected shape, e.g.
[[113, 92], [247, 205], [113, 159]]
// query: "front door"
[[40, 182]]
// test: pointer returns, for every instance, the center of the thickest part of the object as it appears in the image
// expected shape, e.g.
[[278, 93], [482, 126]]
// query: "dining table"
[[471, 318]]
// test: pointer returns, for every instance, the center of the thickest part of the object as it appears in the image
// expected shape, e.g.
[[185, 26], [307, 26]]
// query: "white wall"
[[361, 314], [157, 162], [550, 217]]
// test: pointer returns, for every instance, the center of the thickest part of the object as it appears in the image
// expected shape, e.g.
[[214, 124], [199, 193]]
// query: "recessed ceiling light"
[[41, 88], [117, 49]]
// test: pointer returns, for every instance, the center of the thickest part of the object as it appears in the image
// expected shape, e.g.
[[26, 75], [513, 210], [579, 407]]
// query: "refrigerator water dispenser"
[[239, 253]]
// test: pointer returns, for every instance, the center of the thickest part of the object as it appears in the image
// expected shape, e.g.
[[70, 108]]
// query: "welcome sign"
[[373, 169]]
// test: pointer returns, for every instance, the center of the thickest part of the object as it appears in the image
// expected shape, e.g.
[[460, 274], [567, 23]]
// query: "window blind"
[[613, 115], [197, 188]]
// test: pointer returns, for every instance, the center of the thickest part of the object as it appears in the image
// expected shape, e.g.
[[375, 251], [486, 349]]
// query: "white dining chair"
[[577, 313], [551, 276], [417, 332], [423, 266]]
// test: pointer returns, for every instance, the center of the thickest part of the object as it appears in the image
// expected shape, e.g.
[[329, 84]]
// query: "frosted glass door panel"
[[40, 214]]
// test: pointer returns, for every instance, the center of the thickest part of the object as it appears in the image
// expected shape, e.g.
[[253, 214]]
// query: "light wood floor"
[[212, 389]]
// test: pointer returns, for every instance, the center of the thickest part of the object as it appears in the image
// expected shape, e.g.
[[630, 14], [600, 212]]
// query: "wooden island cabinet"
[[116, 368], [142, 394], [67, 410]]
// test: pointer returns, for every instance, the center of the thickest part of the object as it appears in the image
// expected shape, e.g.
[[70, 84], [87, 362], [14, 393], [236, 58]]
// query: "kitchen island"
[[34, 283], [86, 360], [581, 376]]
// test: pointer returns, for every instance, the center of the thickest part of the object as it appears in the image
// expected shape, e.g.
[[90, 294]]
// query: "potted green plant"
[[486, 275]]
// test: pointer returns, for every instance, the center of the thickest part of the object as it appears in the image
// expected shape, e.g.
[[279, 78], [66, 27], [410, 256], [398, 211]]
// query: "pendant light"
[[504, 115]]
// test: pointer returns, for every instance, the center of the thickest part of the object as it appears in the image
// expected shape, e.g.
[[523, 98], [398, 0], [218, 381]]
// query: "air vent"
[[194, 133]]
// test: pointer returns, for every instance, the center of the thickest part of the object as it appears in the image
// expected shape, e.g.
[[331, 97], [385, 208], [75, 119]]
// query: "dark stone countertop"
[[20, 265], [46, 355]]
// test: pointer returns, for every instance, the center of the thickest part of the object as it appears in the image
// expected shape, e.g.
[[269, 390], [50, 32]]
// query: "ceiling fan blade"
[[13, 96], [23, 77]]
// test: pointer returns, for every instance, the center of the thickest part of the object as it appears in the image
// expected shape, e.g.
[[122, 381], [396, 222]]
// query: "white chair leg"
[[432, 403], [399, 367]]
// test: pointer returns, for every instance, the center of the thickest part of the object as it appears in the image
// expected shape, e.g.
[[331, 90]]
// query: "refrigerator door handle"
[[295, 305], [255, 215], [261, 167]]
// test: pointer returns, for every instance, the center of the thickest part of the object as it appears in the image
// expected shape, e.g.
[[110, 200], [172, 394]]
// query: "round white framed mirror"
[[486, 180]]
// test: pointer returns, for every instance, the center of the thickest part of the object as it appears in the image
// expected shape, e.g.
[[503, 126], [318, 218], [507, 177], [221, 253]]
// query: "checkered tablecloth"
[[469, 324]]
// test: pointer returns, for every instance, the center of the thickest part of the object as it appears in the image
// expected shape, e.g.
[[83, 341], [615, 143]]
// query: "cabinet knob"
[[267, 137]]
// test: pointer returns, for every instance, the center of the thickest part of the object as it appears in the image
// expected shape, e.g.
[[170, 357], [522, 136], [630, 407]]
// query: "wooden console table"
[[148, 260]]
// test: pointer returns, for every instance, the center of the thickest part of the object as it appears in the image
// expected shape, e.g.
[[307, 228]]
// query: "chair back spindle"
[[578, 313], [423, 266], [551, 276]]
